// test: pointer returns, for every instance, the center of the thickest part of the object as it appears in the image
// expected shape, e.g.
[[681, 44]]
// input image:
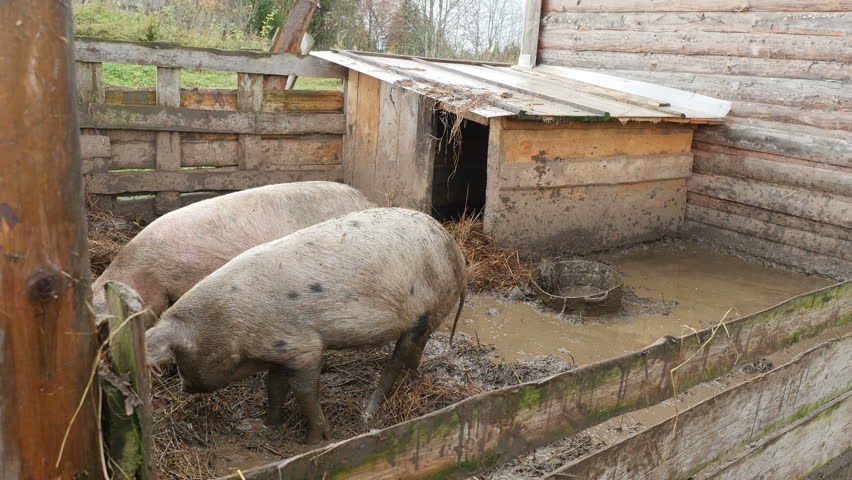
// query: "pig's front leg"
[[305, 385]]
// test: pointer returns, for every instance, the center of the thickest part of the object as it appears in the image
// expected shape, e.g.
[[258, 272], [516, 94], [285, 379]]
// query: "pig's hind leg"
[[406, 354], [277, 387]]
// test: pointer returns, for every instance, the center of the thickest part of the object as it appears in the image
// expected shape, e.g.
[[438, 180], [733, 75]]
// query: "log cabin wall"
[[776, 180], [147, 151]]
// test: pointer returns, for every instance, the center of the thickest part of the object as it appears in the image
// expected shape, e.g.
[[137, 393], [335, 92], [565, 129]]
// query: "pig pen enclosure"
[[729, 354]]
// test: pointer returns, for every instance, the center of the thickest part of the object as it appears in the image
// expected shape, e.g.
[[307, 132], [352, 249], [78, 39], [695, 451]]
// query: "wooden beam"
[[619, 6], [172, 55], [90, 82], [168, 151], [290, 101], [530, 33], [482, 431], [789, 256], [799, 202], [704, 64], [202, 179], [200, 120], [798, 23], [751, 416], [761, 45], [288, 38], [47, 338]]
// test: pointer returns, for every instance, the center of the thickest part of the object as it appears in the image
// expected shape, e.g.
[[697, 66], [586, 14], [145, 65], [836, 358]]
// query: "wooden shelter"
[[558, 159]]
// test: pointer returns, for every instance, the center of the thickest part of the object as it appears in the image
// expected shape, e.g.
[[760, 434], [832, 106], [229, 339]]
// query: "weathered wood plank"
[[822, 207], [761, 45], [249, 99], [529, 33], [705, 64], [797, 450], [484, 430], [172, 55], [768, 216], [198, 120], [366, 139], [217, 99], [614, 6], [760, 411], [350, 136], [129, 434], [540, 143], [802, 23], [295, 152], [289, 37], [90, 82], [591, 217], [94, 146], [47, 339], [572, 172], [202, 152], [776, 253], [828, 246], [387, 162], [830, 95], [141, 208], [205, 179], [168, 151], [824, 119], [793, 141], [791, 174]]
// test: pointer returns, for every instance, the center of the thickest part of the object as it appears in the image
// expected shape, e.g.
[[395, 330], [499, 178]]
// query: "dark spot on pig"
[[235, 289], [355, 224], [292, 295], [421, 327], [315, 287], [411, 290], [279, 344]]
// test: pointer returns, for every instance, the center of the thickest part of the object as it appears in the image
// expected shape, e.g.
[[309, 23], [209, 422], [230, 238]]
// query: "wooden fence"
[[776, 180], [147, 151]]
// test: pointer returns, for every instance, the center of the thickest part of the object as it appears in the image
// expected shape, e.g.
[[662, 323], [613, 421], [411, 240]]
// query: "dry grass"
[[107, 235], [489, 267]]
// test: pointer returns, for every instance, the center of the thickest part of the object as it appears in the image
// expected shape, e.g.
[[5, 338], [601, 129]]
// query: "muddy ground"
[[201, 436]]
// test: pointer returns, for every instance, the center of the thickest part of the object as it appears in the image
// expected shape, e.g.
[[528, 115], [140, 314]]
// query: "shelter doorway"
[[460, 167]]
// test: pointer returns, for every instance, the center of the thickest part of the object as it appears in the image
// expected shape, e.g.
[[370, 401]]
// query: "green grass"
[[105, 19]]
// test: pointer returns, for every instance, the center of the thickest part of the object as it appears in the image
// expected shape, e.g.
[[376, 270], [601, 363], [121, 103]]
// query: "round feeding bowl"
[[579, 287]]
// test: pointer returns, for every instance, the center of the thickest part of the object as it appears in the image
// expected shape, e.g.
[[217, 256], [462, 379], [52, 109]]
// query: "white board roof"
[[495, 90]]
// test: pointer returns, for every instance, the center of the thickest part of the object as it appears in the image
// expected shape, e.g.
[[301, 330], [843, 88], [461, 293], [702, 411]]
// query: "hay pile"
[[489, 267], [107, 235], [201, 436]]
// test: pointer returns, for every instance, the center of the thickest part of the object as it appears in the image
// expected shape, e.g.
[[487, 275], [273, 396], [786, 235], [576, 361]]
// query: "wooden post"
[[127, 425], [529, 35], [249, 99], [288, 39], [47, 341], [168, 143]]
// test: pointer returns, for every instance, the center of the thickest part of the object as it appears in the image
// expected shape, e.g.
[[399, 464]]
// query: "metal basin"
[[578, 287]]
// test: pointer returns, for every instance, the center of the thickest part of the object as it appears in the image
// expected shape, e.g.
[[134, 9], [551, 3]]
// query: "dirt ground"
[[200, 436]]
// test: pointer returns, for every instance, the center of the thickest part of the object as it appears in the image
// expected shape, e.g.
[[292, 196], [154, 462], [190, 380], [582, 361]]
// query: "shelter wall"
[[147, 151], [580, 187], [388, 149], [776, 180]]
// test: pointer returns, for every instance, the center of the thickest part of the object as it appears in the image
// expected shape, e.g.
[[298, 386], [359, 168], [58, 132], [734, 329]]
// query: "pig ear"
[[159, 342]]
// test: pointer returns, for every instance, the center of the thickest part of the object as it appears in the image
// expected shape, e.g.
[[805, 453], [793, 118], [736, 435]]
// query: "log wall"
[[776, 180], [147, 151]]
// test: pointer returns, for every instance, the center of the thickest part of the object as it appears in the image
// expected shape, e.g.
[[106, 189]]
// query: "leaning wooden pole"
[[288, 39], [47, 346]]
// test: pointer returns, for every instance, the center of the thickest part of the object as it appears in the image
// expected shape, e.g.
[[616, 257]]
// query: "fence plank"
[[205, 179], [197, 120], [802, 23], [481, 431], [614, 6], [168, 151], [172, 55], [750, 413], [129, 434], [90, 83], [318, 101], [249, 99]]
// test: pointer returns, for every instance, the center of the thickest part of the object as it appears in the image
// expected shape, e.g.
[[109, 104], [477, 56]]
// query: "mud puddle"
[[557, 454], [670, 289]]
